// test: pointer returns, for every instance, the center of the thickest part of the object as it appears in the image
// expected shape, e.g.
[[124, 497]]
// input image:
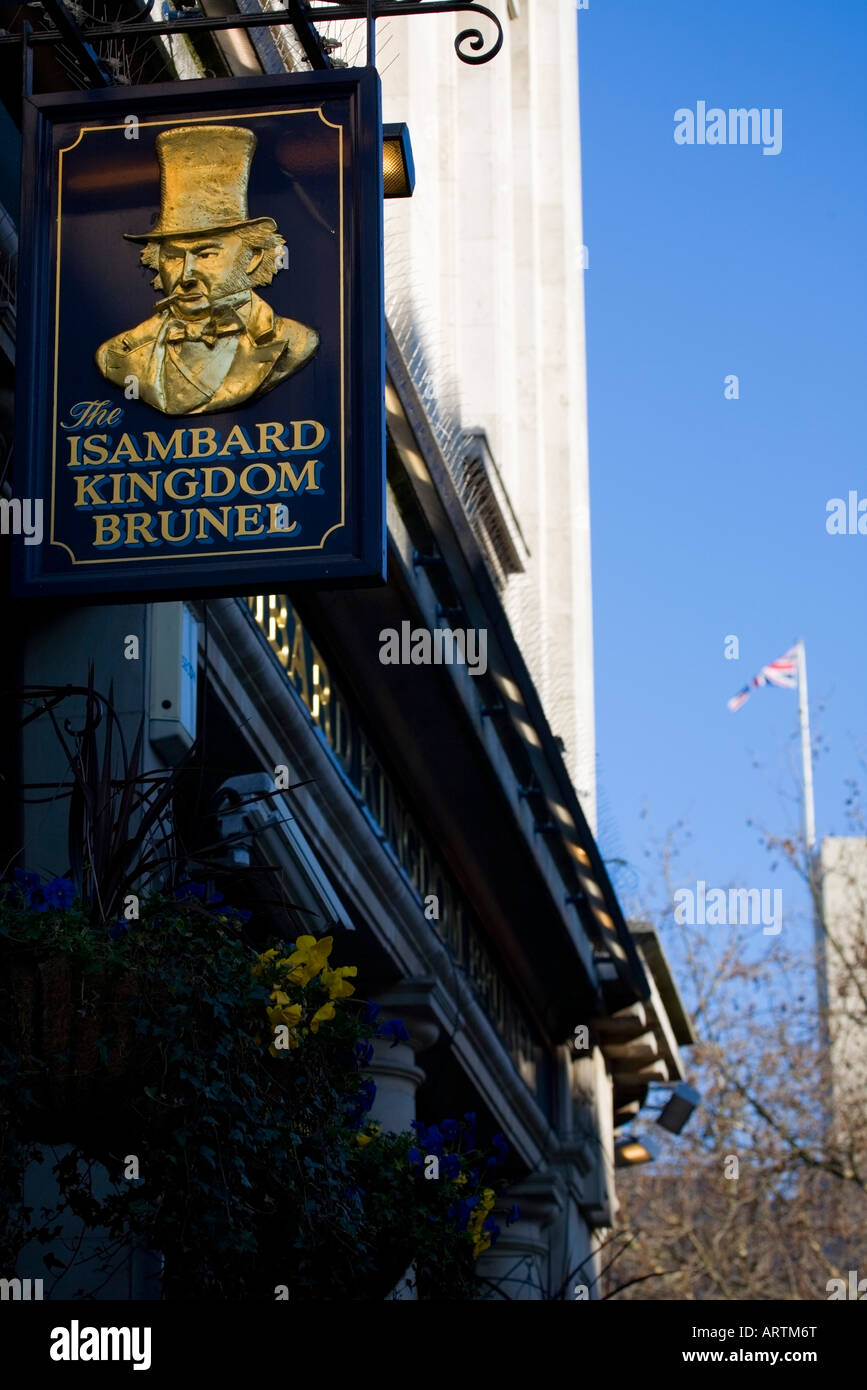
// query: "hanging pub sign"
[[201, 380]]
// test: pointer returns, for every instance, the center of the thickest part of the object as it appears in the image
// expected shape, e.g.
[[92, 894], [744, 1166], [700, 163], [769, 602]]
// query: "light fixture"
[[398, 169], [678, 1108], [630, 1150]]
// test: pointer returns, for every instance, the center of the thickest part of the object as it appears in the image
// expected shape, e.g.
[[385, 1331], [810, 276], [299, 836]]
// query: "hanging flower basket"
[[73, 1031]]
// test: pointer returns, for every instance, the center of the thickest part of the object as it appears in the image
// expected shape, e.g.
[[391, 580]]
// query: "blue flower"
[[189, 889], [463, 1210], [119, 930], [492, 1229], [433, 1141], [416, 1158], [364, 1052], [60, 892], [372, 1012], [514, 1214], [243, 914], [500, 1143], [215, 898], [450, 1130], [394, 1029], [363, 1101], [451, 1166], [32, 889], [470, 1118]]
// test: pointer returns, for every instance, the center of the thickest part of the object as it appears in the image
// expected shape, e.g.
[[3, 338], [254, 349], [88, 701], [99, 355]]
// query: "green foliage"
[[257, 1168]]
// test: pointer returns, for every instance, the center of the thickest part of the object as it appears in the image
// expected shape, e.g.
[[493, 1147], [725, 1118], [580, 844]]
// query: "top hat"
[[204, 171]]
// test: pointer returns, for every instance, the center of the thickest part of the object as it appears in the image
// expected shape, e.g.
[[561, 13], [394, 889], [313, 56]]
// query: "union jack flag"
[[783, 672]]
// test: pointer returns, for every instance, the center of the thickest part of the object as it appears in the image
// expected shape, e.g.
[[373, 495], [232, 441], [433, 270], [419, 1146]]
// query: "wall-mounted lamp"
[[398, 169], [630, 1150], [678, 1108]]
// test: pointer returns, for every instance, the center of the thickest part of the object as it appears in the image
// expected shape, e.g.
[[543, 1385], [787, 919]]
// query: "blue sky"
[[708, 515]]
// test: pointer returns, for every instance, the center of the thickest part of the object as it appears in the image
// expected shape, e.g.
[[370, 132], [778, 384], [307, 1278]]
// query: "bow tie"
[[207, 330]]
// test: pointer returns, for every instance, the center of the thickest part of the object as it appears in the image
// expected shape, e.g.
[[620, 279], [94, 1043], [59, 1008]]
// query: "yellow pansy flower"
[[280, 996], [280, 1014], [308, 958], [373, 1130], [321, 1016], [263, 962], [335, 981]]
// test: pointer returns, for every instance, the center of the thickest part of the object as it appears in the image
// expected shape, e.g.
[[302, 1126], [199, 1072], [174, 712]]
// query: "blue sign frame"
[[229, 438]]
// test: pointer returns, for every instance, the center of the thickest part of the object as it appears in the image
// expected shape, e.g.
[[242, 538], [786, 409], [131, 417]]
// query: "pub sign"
[[200, 391]]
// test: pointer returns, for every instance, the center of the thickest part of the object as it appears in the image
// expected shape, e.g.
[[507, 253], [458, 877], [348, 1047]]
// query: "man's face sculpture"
[[196, 271]]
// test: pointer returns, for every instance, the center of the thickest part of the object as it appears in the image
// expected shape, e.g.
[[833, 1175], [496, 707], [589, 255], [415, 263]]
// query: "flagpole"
[[806, 751]]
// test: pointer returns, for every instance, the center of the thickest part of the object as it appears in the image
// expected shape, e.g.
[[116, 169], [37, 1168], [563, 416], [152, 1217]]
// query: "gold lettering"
[[198, 439], [274, 523], [245, 524], [297, 428], [74, 451], [192, 490], [85, 491], [297, 669], [166, 527], [209, 491], [271, 437], [151, 488], [289, 478], [158, 451], [126, 451], [206, 515], [138, 523], [269, 473], [94, 450], [237, 437], [107, 523]]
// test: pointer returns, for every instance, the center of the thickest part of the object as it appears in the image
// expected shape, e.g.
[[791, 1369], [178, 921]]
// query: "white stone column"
[[395, 1073]]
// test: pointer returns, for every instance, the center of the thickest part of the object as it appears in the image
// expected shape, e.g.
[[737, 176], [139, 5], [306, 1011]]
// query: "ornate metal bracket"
[[471, 45]]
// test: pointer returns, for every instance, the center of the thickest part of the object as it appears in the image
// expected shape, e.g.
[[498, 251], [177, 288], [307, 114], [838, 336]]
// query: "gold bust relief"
[[213, 342]]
